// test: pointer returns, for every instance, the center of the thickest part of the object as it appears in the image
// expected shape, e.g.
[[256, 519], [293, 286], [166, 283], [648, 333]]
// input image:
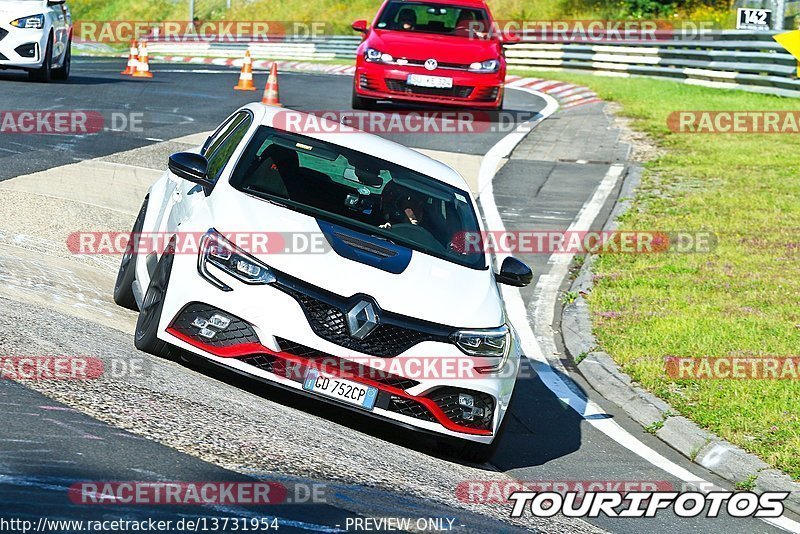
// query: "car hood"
[[430, 288], [14, 10], [443, 48]]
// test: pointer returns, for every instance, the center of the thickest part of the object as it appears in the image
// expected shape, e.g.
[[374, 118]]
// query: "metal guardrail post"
[[779, 15]]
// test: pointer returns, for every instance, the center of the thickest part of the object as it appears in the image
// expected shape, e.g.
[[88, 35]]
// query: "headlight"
[[490, 65], [221, 253], [35, 22], [491, 346], [376, 56]]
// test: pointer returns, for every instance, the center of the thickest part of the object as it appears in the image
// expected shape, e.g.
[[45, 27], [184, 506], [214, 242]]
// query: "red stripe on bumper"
[[248, 349]]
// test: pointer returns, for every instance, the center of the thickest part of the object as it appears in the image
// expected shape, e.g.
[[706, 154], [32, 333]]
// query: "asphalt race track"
[[189, 422]]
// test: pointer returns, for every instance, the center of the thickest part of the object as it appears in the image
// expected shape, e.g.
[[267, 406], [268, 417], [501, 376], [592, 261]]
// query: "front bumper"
[[271, 338], [388, 82], [16, 45]]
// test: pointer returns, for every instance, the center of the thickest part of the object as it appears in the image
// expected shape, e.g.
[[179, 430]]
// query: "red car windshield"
[[436, 18]]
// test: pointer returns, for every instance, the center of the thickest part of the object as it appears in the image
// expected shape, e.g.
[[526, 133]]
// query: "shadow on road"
[[541, 427]]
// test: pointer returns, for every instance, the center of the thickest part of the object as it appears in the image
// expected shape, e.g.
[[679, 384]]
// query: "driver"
[[401, 207], [406, 19]]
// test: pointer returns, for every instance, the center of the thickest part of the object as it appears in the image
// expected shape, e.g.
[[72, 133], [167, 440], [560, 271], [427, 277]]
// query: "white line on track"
[[544, 303]]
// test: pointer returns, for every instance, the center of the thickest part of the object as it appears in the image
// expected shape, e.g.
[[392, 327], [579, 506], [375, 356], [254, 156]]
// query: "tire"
[[123, 287], [45, 73], [62, 73], [358, 102], [146, 336]]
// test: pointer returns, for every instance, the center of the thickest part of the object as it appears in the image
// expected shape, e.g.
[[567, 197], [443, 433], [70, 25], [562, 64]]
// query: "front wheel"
[[123, 288], [146, 335], [62, 73], [359, 102], [44, 73]]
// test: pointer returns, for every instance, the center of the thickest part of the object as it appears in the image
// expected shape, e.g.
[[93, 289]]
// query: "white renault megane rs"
[[393, 316]]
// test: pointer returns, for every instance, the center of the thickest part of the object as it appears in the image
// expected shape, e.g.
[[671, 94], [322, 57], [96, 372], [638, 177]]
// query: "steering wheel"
[[418, 234]]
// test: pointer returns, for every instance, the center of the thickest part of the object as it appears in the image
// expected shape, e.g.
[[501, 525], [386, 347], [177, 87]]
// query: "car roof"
[[370, 144]]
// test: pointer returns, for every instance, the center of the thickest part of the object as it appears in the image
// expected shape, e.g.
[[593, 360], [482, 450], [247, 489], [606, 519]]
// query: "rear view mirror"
[[514, 273], [192, 167]]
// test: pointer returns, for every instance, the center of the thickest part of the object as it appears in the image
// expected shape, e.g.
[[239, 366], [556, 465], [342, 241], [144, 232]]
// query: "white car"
[[391, 290], [36, 36]]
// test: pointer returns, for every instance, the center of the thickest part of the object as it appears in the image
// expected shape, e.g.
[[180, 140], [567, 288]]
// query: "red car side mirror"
[[360, 26]]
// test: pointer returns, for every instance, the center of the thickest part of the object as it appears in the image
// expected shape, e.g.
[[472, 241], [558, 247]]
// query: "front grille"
[[327, 319], [451, 66], [457, 91], [358, 370], [410, 408], [277, 366], [236, 333], [447, 400]]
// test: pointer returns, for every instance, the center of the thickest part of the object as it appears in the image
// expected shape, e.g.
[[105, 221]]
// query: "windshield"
[[433, 18], [360, 191]]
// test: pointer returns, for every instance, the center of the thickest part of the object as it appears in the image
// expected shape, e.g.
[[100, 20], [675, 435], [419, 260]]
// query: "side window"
[[224, 144]]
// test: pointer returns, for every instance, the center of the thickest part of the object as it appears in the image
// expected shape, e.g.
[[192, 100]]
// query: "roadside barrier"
[[729, 59]]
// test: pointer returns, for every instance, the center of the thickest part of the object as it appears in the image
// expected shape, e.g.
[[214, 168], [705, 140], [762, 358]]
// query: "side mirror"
[[192, 167], [56, 2], [360, 26], [514, 273], [510, 38]]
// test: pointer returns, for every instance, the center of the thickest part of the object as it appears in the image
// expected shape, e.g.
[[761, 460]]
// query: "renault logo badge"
[[362, 320]]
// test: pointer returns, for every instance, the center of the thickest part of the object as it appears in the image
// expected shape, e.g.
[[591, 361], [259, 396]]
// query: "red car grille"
[[457, 91]]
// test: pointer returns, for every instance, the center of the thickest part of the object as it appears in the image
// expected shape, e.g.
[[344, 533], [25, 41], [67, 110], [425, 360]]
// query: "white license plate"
[[343, 390], [430, 81]]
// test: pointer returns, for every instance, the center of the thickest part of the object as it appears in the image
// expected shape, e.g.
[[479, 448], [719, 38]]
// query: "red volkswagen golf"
[[431, 52]]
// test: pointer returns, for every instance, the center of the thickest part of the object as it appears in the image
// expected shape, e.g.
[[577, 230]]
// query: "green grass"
[[340, 14], [742, 299]]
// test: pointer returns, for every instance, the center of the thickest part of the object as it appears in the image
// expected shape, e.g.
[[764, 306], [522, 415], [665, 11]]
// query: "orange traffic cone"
[[133, 60], [271, 96], [143, 65], [246, 76]]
